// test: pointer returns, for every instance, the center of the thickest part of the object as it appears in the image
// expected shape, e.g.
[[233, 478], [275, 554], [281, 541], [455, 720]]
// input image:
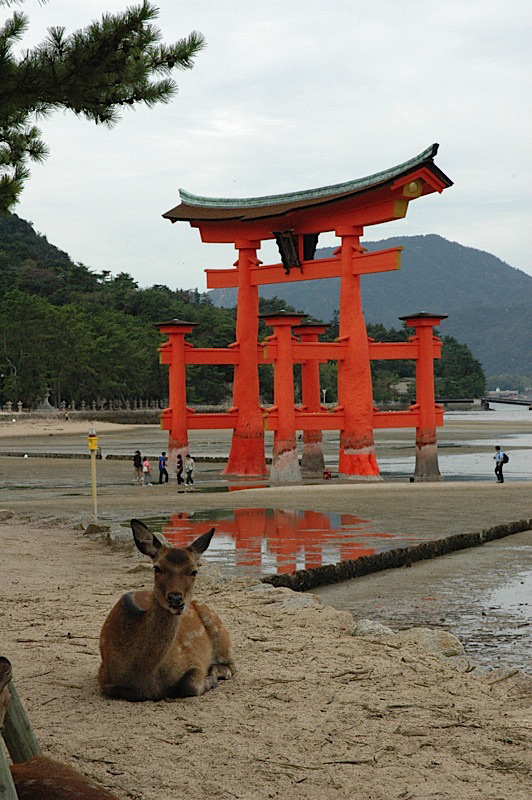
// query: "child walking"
[[146, 472]]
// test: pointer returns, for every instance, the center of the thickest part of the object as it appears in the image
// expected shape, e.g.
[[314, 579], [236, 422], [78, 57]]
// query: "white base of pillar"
[[285, 468], [312, 461], [427, 468], [172, 454]]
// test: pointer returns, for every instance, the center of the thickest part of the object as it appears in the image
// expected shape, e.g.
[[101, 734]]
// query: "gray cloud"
[[292, 95]]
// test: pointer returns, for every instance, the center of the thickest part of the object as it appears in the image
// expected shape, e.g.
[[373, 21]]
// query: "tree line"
[[87, 335], [94, 350], [456, 375]]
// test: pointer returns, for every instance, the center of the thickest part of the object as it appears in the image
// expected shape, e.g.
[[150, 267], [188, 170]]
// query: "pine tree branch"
[[113, 62]]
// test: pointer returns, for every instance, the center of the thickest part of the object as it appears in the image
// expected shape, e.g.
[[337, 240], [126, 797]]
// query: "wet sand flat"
[[38, 487], [482, 595], [57, 434]]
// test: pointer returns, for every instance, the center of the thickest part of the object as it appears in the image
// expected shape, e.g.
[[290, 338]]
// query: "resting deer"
[[160, 643], [41, 778]]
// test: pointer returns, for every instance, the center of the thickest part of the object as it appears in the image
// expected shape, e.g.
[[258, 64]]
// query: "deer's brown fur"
[[41, 778], [161, 643], [5, 677]]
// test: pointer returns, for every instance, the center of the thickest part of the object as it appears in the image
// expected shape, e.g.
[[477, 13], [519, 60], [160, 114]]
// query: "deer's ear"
[[202, 542], [145, 540]]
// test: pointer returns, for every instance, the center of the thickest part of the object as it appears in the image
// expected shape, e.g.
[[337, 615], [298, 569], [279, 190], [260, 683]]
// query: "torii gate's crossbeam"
[[364, 264]]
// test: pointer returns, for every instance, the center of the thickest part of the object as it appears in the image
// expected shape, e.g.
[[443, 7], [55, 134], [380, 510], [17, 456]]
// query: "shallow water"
[[467, 466], [263, 541], [482, 595], [497, 412]]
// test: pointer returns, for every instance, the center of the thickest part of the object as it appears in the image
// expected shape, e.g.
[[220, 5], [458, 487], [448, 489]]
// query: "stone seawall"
[[305, 579]]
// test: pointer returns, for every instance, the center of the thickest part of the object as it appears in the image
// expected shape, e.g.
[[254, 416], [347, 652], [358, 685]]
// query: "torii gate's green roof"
[[197, 207]]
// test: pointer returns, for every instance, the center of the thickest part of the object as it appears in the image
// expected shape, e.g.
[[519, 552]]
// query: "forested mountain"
[[489, 303], [90, 335]]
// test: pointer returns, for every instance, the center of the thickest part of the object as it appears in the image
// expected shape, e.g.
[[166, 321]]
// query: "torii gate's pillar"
[[312, 460], [357, 450], [427, 468], [173, 354], [247, 449], [285, 462]]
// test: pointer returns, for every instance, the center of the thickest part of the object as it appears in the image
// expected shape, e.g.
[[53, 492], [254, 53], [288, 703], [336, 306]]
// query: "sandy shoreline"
[[24, 426], [28, 425], [314, 712]]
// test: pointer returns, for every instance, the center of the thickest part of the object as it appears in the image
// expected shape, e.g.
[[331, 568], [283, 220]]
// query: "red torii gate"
[[283, 350], [295, 220]]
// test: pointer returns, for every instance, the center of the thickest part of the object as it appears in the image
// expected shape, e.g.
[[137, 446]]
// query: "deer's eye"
[[157, 570], [194, 573]]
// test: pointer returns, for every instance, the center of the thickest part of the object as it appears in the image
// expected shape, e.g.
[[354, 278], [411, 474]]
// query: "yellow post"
[[93, 447]]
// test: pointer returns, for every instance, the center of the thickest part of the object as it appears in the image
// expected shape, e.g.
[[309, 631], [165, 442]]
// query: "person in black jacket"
[[179, 469], [137, 467]]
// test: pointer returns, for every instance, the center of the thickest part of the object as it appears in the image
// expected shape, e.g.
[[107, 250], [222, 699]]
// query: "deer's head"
[[175, 569]]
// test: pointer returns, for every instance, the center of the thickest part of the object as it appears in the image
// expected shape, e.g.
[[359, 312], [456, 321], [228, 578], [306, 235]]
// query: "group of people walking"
[[142, 469]]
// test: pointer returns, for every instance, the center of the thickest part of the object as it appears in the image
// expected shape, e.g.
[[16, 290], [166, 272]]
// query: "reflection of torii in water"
[[287, 534]]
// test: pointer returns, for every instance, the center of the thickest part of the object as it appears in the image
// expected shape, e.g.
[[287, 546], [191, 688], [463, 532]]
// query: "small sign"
[[93, 441]]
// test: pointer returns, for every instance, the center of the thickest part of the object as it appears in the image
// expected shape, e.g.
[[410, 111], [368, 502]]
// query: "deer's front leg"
[[195, 683]]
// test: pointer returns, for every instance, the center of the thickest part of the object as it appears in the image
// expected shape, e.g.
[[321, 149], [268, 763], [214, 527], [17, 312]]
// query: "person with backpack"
[[500, 460], [163, 472]]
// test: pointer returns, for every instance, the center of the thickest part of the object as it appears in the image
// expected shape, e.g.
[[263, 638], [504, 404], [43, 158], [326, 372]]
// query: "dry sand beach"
[[314, 710]]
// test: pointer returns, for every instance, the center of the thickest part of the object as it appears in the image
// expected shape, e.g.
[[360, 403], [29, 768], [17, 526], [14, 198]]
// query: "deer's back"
[[41, 778], [124, 622], [121, 639]]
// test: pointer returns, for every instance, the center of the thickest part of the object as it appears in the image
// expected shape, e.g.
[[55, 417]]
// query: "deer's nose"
[[175, 600]]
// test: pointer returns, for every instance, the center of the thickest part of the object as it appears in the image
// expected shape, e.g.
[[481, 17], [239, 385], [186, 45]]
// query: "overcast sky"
[[290, 95]]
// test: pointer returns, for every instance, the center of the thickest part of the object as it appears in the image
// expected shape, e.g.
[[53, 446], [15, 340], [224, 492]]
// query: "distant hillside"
[[29, 263], [19, 242], [488, 302]]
